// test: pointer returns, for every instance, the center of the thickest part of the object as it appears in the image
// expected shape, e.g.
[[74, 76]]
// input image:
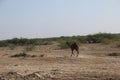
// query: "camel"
[[73, 47]]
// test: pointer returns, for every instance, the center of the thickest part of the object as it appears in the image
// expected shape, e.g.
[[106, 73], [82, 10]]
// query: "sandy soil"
[[93, 63]]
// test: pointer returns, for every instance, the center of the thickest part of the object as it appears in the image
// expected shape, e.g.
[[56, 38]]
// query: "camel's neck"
[[68, 44]]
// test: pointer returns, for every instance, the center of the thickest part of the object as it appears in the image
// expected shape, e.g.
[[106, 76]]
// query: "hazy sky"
[[52, 18]]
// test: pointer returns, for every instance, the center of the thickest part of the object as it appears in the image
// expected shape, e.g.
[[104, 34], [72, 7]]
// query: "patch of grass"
[[118, 44], [20, 55], [3, 43], [30, 48], [113, 54], [11, 46], [107, 41]]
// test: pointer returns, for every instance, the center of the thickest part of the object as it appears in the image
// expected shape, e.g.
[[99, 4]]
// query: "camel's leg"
[[72, 53], [77, 52]]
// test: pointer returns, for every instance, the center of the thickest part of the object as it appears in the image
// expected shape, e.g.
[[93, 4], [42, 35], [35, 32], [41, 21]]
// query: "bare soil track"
[[93, 63]]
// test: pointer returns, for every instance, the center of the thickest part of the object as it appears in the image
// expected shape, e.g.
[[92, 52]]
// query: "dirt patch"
[[58, 75]]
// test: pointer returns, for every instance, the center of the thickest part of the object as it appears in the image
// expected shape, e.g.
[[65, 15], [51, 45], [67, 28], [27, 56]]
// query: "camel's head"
[[68, 43]]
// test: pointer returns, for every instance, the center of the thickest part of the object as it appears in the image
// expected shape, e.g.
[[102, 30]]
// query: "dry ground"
[[93, 63]]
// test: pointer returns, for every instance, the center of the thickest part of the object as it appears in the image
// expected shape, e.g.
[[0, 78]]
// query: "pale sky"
[[54, 18]]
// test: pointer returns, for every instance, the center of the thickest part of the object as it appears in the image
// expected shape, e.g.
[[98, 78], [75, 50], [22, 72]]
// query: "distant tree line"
[[94, 38]]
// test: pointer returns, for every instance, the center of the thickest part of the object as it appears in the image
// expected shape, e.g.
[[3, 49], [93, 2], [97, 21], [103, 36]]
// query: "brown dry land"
[[93, 63]]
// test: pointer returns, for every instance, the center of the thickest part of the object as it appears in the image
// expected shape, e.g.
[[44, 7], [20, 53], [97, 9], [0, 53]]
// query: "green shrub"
[[101, 37], [107, 41], [93, 39], [82, 39], [63, 45], [43, 42], [24, 41], [3, 43]]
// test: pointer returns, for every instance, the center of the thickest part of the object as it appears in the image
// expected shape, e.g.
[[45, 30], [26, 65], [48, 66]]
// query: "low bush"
[[33, 56], [21, 55], [101, 37], [113, 54], [3, 43], [42, 55], [24, 41]]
